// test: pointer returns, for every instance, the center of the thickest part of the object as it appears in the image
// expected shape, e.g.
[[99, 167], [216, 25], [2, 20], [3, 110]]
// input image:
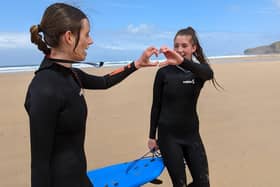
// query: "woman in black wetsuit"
[[173, 113], [55, 102]]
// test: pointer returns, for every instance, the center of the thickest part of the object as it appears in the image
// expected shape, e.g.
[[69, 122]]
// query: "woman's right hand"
[[144, 60], [152, 144]]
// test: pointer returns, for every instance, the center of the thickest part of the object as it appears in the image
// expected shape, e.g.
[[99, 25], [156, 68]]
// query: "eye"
[[185, 45]]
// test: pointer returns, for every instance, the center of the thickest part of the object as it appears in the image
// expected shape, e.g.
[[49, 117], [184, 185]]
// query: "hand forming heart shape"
[[172, 58]]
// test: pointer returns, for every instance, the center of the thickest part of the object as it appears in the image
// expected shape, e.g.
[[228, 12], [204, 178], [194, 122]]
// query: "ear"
[[193, 48], [69, 38]]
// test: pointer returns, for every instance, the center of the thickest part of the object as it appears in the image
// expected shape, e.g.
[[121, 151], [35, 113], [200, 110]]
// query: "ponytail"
[[36, 38], [198, 54]]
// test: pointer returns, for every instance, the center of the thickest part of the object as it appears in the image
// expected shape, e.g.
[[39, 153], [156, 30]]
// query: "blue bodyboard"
[[130, 174]]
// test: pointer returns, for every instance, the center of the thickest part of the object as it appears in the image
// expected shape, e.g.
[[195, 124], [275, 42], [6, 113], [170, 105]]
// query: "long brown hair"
[[198, 54], [58, 18]]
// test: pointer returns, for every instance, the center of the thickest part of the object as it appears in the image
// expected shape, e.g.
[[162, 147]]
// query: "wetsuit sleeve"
[[156, 106], [42, 107], [107, 81], [203, 71]]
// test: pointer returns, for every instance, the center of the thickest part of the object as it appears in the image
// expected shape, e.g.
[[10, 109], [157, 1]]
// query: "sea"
[[213, 59]]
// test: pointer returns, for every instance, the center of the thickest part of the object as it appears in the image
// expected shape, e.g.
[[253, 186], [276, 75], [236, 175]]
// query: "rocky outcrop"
[[274, 48]]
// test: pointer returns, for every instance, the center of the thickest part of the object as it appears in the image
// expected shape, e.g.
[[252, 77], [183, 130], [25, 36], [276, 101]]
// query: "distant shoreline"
[[213, 59]]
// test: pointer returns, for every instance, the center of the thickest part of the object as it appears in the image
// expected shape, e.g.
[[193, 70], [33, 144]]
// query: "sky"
[[122, 29]]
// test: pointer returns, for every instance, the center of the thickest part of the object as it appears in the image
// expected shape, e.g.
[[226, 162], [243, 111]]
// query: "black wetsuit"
[[57, 111], [175, 95]]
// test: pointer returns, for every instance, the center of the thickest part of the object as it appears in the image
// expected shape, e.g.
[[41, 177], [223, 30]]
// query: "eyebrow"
[[180, 43]]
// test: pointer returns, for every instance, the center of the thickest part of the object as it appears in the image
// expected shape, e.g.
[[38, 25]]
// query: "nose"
[[90, 41], [180, 49]]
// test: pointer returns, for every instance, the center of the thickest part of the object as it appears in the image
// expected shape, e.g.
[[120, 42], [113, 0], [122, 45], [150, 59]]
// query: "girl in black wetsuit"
[[55, 103], [175, 94]]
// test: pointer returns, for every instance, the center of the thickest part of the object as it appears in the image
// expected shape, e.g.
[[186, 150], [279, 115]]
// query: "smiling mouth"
[[183, 55]]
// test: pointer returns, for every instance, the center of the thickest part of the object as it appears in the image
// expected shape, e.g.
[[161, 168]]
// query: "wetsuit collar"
[[48, 63]]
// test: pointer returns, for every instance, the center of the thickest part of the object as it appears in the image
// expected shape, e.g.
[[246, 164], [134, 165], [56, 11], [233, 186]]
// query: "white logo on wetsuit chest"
[[186, 72], [189, 82]]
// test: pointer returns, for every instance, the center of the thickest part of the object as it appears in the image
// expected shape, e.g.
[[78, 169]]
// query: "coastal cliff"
[[274, 48]]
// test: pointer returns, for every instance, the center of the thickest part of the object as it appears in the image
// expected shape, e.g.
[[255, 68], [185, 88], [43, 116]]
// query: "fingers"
[[156, 63], [164, 63], [153, 147], [152, 51], [152, 144], [150, 147], [172, 58], [164, 49], [168, 52]]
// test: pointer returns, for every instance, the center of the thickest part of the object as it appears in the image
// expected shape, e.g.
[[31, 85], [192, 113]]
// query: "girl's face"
[[85, 41], [183, 46]]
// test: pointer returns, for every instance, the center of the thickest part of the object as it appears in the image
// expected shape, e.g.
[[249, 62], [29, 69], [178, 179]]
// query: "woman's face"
[[84, 42], [183, 46]]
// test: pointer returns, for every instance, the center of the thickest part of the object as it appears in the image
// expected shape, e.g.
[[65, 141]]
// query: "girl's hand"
[[144, 60], [152, 144], [172, 57]]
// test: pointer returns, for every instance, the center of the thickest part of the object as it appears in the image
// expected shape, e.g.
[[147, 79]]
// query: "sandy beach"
[[239, 126]]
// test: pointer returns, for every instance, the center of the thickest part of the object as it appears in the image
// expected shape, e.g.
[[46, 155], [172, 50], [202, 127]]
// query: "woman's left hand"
[[144, 60]]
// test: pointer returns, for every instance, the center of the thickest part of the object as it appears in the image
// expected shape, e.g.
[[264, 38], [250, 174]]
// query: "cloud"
[[15, 40], [234, 8], [115, 47], [121, 45], [129, 42], [267, 9], [165, 35], [277, 3], [138, 37], [143, 30], [132, 37], [140, 29]]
